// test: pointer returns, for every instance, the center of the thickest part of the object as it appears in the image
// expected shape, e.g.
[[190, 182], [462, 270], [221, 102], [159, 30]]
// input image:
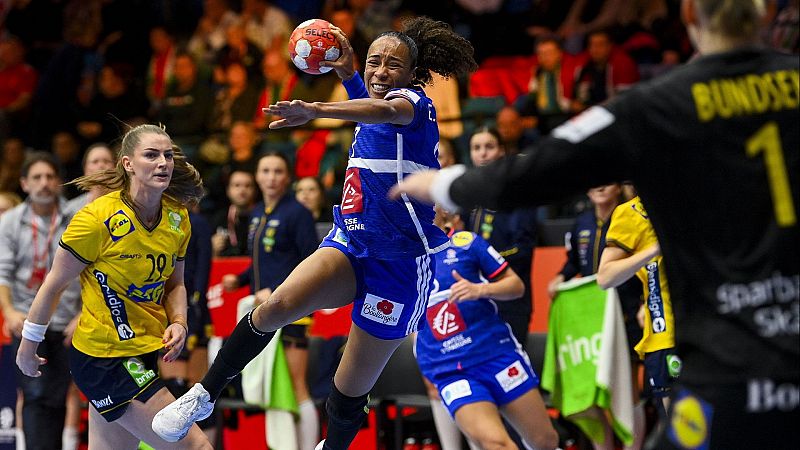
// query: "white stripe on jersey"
[[403, 93], [399, 168], [385, 165], [424, 275]]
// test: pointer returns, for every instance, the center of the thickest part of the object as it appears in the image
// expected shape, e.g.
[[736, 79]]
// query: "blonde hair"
[[185, 187], [739, 19]]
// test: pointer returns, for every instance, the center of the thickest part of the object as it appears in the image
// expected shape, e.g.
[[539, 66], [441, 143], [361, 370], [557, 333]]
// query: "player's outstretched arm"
[[397, 111], [66, 267]]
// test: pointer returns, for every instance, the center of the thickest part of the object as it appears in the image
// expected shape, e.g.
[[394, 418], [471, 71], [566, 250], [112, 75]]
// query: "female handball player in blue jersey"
[[378, 254], [470, 354]]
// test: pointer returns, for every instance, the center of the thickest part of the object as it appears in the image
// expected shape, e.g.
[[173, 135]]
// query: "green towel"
[[574, 347]]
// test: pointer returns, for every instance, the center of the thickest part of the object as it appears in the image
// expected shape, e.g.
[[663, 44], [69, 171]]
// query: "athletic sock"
[[308, 426], [345, 416], [446, 428], [244, 344]]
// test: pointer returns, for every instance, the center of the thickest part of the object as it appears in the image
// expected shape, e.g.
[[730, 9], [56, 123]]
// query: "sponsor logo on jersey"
[[462, 239], [152, 292], [445, 320], [103, 403], [340, 237], [689, 423], [455, 390], [512, 376], [130, 256], [137, 370], [496, 255], [381, 310], [639, 208], [116, 307], [655, 303], [119, 225], [764, 395], [352, 197], [174, 220], [450, 257]]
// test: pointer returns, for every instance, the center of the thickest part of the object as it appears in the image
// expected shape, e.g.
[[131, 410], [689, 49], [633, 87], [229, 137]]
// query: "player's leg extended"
[[324, 279], [138, 417], [481, 422], [529, 417], [364, 358]]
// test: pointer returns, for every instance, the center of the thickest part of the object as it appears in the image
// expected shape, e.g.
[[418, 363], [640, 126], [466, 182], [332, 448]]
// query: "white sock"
[[449, 434], [308, 426], [69, 438], [20, 439], [638, 427]]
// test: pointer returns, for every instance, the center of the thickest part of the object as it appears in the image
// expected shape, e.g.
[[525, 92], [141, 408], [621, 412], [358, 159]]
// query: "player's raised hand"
[[464, 289], [293, 113], [344, 65]]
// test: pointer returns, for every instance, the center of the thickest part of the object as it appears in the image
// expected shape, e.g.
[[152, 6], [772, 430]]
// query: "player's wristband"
[[33, 331], [183, 324], [440, 190]]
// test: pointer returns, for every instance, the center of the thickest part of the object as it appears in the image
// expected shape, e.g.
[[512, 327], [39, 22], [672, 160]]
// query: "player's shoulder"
[[415, 96], [633, 209]]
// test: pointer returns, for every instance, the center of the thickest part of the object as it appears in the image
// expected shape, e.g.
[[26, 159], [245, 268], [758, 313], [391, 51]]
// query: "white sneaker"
[[320, 445], [174, 421]]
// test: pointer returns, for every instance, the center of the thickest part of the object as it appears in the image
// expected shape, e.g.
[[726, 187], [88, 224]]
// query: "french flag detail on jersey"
[[380, 156]]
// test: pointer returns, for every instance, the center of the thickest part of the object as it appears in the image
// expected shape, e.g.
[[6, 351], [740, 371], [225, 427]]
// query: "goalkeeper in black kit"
[[714, 149]]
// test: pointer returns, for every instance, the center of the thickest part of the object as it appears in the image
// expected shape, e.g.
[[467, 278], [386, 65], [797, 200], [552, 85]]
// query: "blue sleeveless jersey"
[[381, 155], [468, 333]]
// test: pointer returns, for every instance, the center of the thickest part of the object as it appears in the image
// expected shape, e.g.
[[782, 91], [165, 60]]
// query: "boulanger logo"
[[381, 310], [137, 370], [119, 225], [512, 376]]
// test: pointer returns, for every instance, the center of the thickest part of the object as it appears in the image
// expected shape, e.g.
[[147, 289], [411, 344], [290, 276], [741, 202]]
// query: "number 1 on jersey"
[[768, 140]]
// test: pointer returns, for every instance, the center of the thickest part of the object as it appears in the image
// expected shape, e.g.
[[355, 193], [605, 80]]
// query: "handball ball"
[[311, 42]]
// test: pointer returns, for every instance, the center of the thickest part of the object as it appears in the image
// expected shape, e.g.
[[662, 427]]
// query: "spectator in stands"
[[162, 64], [489, 374], [209, 37], [186, 106], [784, 33], [17, 82], [118, 101], [232, 223], [283, 235], [447, 155], [515, 132], [608, 71], [265, 25], [343, 17], [550, 91], [281, 83], [98, 157], [67, 151], [311, 194], [8, 200], [238, 49], [29, 236], [235, 102], [13, 152]]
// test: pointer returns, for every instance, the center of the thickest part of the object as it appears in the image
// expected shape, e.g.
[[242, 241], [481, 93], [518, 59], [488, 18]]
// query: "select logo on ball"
[[311, 43]]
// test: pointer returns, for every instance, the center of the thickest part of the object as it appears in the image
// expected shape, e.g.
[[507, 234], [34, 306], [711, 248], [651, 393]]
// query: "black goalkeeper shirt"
[[714, 150]]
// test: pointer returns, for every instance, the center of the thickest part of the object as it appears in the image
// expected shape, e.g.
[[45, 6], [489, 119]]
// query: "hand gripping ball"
[[311, 42]]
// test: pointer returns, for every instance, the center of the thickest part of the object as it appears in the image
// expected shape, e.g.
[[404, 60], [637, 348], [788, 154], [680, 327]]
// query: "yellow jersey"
[[632, 231], [123, 285]]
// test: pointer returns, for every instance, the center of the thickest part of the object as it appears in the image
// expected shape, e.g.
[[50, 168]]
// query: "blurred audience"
[[232, 223]]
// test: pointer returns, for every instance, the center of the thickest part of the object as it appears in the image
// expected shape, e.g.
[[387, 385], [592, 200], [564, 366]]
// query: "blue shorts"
[[391, 295], [500, 380], [657, 378], [111, 384]]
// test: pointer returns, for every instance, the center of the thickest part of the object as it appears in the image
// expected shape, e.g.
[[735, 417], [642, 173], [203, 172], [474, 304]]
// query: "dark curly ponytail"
[[434, 47]]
